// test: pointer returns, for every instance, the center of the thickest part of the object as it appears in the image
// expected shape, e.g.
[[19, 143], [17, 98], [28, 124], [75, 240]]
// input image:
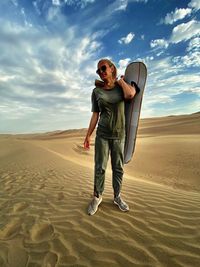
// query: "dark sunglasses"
[[102, 69]]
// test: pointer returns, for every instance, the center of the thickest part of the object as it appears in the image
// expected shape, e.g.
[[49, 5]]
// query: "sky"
[[49, 50]]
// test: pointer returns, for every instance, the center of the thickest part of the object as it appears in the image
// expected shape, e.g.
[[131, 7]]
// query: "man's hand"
[[87, 143], [121, 80], [129, 91]]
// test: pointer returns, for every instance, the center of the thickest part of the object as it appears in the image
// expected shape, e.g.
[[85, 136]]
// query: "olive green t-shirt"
[[110, 104]]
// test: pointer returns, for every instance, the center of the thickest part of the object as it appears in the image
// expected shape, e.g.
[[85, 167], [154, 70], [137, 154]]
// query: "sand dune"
[[46, 185], [176, 125]]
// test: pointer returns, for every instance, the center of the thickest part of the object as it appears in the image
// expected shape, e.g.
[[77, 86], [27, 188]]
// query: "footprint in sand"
[[60, 196], [8, 187], [42, 232], [40, 186], [2, 262], [18, 207], [3, 254], [50, 260], [80, 150], [17, 257], [11, 229]]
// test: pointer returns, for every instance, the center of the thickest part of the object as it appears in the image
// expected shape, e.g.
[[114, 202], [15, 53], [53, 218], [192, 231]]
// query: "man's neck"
[[109, 83]]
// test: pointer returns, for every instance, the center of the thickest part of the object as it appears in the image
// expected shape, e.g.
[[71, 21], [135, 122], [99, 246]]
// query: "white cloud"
[[182, 32], [185, 31], [56, 2], [178, 14], [194, 44], [159, 43], [122, 4], [25, 18], [78, 3], [127, 39], [51, 70], [138, 1], [53, 13], [85, 49], [123, 62], [5, 77], [190, 60], [142, 36], [52, 73], [122, 65], [194, 4], [166, 81], [181, 13], [36, 7], [14, 2], [84, 3]]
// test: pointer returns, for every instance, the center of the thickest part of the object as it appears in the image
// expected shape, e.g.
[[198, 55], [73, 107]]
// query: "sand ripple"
[[44, 198]]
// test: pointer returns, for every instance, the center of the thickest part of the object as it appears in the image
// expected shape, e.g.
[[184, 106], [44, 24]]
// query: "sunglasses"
[[102, 69]]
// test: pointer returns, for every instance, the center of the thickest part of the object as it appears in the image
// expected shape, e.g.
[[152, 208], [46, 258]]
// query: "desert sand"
[[46, 183]]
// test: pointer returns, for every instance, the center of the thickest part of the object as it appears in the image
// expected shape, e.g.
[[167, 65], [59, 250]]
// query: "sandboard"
[[136, 72]]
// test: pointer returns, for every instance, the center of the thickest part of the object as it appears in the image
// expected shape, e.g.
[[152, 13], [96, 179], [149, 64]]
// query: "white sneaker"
[[121, 204], [93, 207]]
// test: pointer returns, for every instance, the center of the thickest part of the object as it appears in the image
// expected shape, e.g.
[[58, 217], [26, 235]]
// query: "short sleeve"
[[121, 91], [95, 107]]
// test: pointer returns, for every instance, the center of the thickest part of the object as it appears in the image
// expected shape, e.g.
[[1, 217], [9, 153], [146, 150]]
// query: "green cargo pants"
[[104, 147]]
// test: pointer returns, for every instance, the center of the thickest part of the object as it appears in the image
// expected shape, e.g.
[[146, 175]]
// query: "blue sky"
[[50, 48]]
